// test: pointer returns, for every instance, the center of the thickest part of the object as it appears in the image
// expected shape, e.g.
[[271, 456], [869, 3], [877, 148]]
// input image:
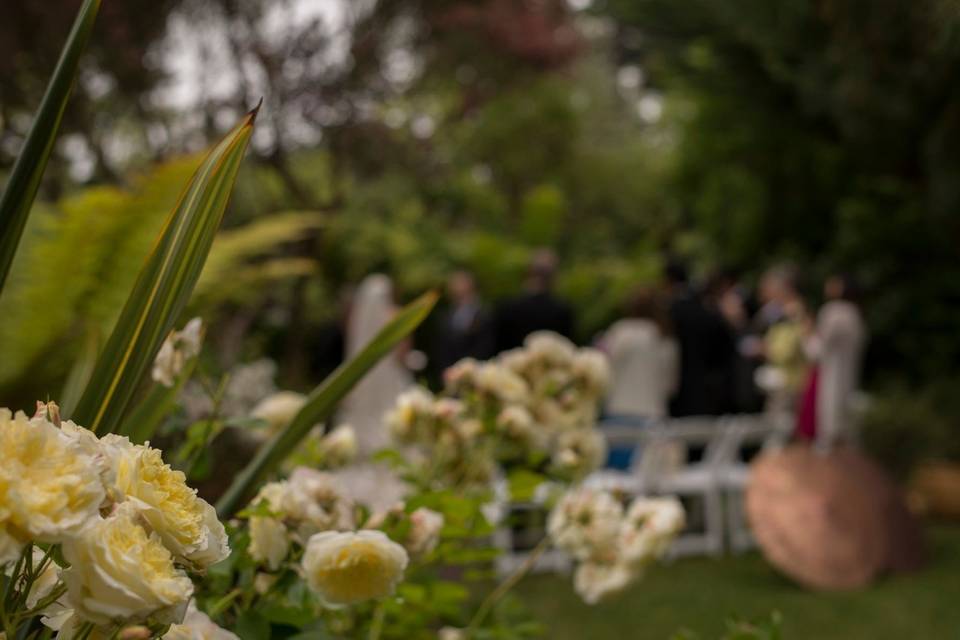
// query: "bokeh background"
[[419, 136]]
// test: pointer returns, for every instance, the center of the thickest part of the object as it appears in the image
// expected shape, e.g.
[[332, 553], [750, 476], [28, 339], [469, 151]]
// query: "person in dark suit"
[[536, 309], [706, 350], [466, 329]]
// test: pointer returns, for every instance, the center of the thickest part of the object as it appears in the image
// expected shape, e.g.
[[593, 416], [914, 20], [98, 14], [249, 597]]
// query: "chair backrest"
[[665, 447]]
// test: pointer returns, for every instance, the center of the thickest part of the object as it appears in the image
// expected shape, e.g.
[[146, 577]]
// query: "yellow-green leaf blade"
[[323, 401], [28, 169], [163, 286]]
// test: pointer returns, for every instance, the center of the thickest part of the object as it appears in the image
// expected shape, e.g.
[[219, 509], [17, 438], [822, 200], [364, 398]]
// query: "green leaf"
[[79, 373], [252, 626], [17, 199], [322, 402], [163, 286]]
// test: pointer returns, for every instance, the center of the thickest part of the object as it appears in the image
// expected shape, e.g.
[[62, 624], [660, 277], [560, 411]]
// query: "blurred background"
[[421, 137]]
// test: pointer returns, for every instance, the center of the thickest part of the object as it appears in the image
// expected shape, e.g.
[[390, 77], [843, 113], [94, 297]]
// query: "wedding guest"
[[466, 328], [644, 359], [705, 349], [538, 308], [836, 346]]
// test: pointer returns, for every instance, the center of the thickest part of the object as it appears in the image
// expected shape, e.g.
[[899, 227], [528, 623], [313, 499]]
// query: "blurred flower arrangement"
[[533, 408]]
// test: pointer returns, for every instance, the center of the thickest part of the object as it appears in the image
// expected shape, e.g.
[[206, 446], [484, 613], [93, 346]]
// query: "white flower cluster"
[[308, 502], [341, 565], [612, 545], [128, 524], [537, 403]]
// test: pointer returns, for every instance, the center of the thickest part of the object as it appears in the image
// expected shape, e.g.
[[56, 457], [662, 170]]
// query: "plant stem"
[[376, 627], [509, 583]]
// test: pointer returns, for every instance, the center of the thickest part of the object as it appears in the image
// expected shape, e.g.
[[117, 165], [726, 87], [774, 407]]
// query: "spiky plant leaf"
[[163, 286]]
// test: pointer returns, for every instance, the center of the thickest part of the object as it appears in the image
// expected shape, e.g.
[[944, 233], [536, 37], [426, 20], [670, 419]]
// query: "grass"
[[698, 594]]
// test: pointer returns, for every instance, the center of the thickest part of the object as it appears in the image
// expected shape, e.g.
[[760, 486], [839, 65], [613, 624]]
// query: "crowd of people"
[[680, 349]]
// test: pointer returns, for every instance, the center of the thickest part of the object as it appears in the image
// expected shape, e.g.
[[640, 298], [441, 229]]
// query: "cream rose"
[[585, 523], [410, 406], [187, 524], [339, 447], [594, 582], [592, 368], [549, 347], [49, 486], [279, 410], [579, 451], [317, 502], [197, 625], [347, 568], [120, 573], [178, 348], [649, 527], [269, 541], [425, 526]]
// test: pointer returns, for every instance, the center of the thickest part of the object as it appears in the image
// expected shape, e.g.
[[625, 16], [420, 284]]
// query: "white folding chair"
[[744, 433], [694, 479], [623, 435], [504, 539]]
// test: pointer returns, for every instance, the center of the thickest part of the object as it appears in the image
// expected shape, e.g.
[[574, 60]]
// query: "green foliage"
[[78, 263], [820, 133], [768, 628], [24, 181], [906, 426], [244, 259], [163, 285], [541, 215]]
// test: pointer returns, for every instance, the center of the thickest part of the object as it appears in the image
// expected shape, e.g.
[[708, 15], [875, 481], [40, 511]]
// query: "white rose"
[[451, 633], [591, 366], [49, 485], [269, 541], [410, 406], [502, 383], [347, 568], [517, 423], [550, 347], [517, 360], [316, 500], [178, 348], [197, 625], [585, 523], [120, 573], [339, 447], [279, 410], [425, 526], [649, 527], [579, 451], [460, 374], [594, 582]]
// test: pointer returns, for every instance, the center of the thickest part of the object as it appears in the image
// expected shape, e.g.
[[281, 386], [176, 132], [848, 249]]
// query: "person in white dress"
[[365, 406], [838, 345]]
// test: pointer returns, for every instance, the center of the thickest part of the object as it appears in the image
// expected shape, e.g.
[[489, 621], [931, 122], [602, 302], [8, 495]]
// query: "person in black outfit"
[[537, 309], [707, 350], [466, 328]]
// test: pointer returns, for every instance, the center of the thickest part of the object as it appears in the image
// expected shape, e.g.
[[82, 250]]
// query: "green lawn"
[[698, 594]]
